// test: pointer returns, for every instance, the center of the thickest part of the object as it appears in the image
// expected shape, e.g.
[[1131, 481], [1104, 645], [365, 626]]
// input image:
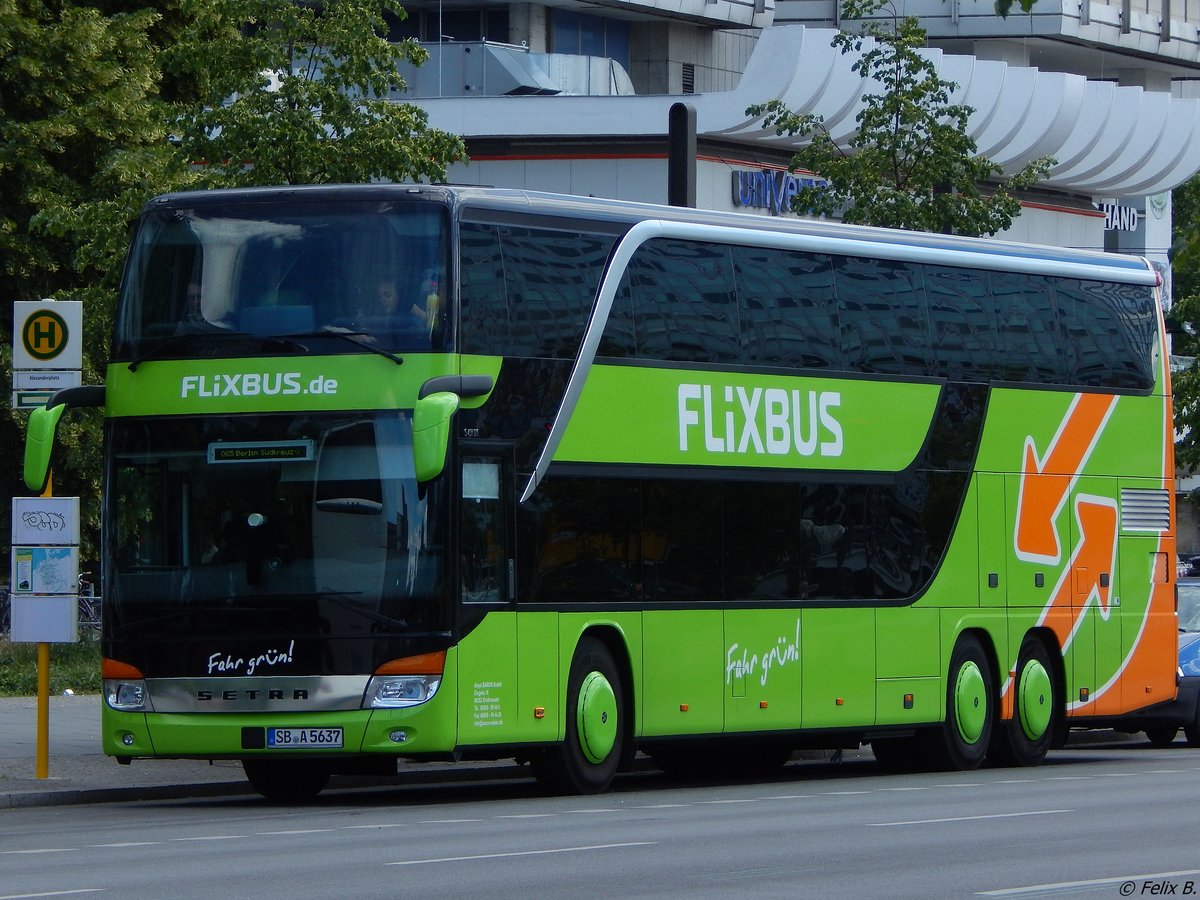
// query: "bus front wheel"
[[587, 759], [1024, 739], [962, 740], [285, 780]]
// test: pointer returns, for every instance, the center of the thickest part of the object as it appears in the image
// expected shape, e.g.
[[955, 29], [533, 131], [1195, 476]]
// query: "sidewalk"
[[80, 773]]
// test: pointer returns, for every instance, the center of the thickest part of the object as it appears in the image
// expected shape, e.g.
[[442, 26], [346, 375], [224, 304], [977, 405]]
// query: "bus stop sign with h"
[[47, 349], [47, 357]]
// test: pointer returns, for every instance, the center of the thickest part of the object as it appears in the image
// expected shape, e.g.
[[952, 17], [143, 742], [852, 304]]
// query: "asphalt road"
[[1100, 821]]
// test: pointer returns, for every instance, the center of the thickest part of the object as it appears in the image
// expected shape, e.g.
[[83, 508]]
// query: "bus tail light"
[[124, 686], [409, 681]]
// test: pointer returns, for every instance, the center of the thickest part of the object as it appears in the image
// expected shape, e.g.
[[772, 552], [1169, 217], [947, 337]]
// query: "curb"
[[79, 796], [126, 794]]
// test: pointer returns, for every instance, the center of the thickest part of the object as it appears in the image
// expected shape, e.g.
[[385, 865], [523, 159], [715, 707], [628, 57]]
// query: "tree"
[[1183, 319], [82, 146], [911, 163], [291, 93]]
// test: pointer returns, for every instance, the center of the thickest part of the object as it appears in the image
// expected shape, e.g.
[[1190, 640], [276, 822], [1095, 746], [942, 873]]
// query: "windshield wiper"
[[357, 338], [167, 344], [343, 600]]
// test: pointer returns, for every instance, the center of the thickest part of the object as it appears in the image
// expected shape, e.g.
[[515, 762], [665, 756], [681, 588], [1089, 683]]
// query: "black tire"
[[961, 742], [286, 780], [1026, 738], [1192, 731], [1162, 735], [590, 754]]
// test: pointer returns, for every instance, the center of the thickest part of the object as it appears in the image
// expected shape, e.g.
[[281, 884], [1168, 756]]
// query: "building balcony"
[[1148, 42]]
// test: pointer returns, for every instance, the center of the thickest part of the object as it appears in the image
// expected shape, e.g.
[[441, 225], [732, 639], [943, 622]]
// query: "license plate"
[[304, 738]]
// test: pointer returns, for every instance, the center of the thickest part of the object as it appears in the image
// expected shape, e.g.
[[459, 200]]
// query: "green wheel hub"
[[970, 702], [596, 717], [1034, 693]]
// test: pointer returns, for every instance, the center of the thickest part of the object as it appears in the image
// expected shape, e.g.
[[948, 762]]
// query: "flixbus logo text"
[[254, 384], [773, 421]]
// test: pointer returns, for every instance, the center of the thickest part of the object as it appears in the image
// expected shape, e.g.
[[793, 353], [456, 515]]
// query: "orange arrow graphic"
[[1081, 580], [1041, 497]]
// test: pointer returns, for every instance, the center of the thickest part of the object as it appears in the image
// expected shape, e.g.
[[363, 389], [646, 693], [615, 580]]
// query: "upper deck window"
[[376, 270]]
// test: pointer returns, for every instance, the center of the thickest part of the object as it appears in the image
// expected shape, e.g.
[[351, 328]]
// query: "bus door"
[[1095, 649], [487, 665], [994, 539], [1037, 545]]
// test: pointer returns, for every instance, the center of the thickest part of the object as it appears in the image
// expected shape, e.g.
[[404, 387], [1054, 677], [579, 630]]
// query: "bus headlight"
[[395, 691], [126, 696]]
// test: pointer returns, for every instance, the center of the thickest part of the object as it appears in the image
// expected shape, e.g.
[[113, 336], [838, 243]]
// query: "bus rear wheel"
[[286, 780], [1025, 738], [962, 740], [587, 759]]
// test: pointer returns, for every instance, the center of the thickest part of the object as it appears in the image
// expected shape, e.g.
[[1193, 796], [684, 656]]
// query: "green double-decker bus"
[[426, 473]]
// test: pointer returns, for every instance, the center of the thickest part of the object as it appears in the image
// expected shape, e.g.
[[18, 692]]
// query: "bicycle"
[[89, 605]]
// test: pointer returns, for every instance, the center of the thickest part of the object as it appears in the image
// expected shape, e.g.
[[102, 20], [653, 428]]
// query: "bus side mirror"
[[431, 433], [43, 427], [39, 445]]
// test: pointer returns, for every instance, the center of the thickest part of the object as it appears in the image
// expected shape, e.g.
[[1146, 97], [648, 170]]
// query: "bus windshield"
[[281, 526], [306, 268]]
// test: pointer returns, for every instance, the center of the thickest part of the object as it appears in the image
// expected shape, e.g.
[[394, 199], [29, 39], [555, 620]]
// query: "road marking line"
[[446, 859], [1037, 888], [1039, 812], [53, 894], [300, 831], [40, 850], [446, 821], [210, 837], [128, 844], [663, 806]]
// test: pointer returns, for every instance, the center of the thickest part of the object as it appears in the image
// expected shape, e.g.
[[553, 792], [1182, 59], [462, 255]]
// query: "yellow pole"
[[43, 714], [43, 697]]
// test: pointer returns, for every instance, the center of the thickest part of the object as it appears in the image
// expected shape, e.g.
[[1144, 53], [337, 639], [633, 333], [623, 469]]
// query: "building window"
[[586, 35], [689, 78], [467, 25]]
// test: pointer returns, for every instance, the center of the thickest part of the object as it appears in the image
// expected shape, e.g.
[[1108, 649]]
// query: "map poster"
[[45, 570]]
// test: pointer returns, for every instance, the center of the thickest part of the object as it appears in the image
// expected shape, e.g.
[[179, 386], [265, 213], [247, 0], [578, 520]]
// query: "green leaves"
[[911, 163], [290, 94]]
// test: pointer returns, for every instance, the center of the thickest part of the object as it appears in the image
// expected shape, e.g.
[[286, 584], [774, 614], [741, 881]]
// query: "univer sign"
[[764, 421], [769, 189]]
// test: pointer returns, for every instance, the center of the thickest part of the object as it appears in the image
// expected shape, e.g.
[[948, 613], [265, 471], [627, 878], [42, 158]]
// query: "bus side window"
[[484, 562]]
